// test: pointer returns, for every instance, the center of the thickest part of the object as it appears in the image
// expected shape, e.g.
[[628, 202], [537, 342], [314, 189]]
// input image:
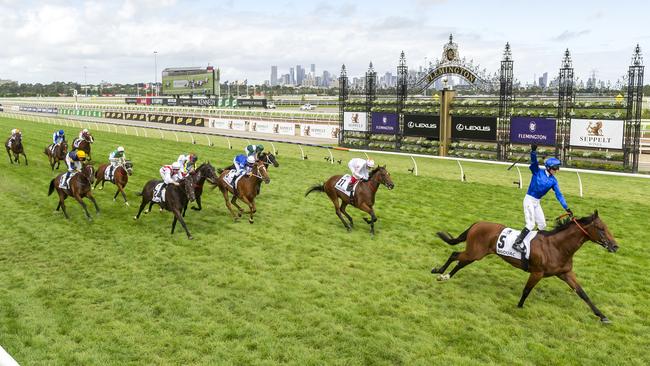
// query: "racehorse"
[[267, 158], [364, 196], [16, 148], [79, 187], [56, 155], [551, 251], [246, 189], [203, 172], [120, 177], [84, 143], [176, 198]]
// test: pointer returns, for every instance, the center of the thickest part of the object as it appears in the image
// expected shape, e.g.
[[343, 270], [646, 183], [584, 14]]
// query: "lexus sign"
[[474, 128], [422, 125]]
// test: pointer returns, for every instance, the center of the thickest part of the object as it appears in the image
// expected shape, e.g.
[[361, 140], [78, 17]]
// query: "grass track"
[[295, 287]]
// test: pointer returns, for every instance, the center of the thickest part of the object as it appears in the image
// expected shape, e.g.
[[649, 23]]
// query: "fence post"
[[415, 166], [209, 141], [273, 146], [579, 183], [192, 137], [175, 134], [331, 156], [136, 132], [125, 130], [521, 185], [229, 145], [302, 152], [145, 132], [462, 173]]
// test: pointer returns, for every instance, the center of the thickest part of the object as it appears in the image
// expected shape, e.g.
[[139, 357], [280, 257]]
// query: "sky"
[[115, 41]]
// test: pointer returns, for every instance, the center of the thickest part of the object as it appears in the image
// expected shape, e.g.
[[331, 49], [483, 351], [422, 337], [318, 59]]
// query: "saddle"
[[159, 193]]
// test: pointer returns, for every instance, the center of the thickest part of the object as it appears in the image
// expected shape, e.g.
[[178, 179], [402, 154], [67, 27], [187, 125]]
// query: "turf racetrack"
[[295, 287]]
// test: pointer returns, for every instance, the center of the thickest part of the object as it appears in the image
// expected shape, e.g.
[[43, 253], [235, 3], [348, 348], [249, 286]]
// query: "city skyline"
[[75, 41]]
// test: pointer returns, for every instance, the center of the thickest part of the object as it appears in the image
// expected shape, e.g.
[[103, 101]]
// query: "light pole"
[[155, 72]]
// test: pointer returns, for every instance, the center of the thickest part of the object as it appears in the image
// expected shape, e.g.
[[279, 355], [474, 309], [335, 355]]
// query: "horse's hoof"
[[190, 237], [443, 277], [126, 203], [161, 210], [135, 217], [250, 221], [434, 270], [604, 320], [114, 199], [100, 188], [146, 212]]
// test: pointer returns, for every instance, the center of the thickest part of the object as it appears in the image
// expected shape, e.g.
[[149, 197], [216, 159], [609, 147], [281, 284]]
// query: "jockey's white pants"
[[533, 213]]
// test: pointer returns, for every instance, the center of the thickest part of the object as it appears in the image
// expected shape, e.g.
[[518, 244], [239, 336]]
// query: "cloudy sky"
[[45, 41]]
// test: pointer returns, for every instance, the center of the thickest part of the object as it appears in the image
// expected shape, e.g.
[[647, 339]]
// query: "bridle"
[[602, 241], [258, 169]]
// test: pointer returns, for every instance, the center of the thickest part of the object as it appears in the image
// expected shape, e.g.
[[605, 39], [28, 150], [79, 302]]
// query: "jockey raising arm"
[[117, 157], [171, 173], [359, 168], [541, 182], [58, 137]]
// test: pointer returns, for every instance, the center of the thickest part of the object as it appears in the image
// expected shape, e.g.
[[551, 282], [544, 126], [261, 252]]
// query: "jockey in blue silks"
[[541, 182]]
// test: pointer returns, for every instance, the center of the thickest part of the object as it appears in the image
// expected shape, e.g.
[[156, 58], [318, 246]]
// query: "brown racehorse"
[[80, 187], [551, 251], [203, 172], [120, 178], [267, 158], [176, 198], [83, 144], [246, 189], [16, 148], [56, 155], [364, 196]]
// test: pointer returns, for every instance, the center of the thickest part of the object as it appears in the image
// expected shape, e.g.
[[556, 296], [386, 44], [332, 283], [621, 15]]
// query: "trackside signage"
[[387, 123], [597, 133], [422, 125], [474, 128], [355, 121], [320, 131], [529, 130]]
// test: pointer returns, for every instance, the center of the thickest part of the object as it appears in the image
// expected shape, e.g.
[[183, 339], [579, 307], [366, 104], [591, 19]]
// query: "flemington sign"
[[467, 74]]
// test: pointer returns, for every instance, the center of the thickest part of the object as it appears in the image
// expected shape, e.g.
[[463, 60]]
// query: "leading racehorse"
[[57, 154], [175, 200], [246, 189], [364, 196], [84, 143], [17, 149], [121, 175], [551, 251], [79, 186]]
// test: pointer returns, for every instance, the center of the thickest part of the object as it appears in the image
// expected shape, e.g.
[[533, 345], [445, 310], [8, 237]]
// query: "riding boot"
[[110, 173], [518, 244]]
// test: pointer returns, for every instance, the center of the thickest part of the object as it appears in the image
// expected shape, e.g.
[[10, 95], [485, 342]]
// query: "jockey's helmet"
[[176, 165], [85, 130], [61, 133], [14, 131], [552, 163], [370, 163], [120, 149], [81, 154], [260, 148], [193, 158], [250, 160]]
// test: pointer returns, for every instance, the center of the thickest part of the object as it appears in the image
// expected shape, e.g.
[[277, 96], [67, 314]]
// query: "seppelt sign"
[[422, 125], [606, 134], [474, 128], [532, 130]]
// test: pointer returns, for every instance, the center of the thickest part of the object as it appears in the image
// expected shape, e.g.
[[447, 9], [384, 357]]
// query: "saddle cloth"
[[76, 143], [107, 173], [228, 178], [507, 239], [65, 183], [159, 193], [342, 185]]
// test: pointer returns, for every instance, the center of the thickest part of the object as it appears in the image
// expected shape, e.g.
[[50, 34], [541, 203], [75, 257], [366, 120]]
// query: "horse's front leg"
[[572, 281], [92, 199], [9, 154], [251, 207], [373, 218], [83, 205], [177, 215], [25, 156]]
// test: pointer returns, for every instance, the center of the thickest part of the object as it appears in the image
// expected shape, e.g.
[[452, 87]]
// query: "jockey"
[[15, 134], [171, 173], [58, 137], [187, 163], [83, 133], [359, 168], [74, 161], [540, 183], [253, 150], [116, 158], [243, 165]]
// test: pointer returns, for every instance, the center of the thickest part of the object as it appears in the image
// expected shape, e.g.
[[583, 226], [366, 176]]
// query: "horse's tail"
[[49, 192], [446, 237], [315, 187]]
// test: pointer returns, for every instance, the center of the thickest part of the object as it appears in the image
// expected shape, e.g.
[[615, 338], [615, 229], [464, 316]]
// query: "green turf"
[[296, 288]]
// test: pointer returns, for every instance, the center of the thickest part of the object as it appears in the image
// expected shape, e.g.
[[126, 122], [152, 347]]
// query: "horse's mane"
[[564, 223], [375, 171]]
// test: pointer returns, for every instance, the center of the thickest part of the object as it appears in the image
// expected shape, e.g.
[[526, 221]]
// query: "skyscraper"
[[274, 75], [312, 69], [300, 74], [292, 76]]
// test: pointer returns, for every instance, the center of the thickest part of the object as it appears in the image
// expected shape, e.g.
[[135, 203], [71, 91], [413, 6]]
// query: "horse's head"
[[128, 166], [260, 171], [599, 233], [207, 170], [269, 158], [382, 176], [88, 137], [188, 187], [89, 171]]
